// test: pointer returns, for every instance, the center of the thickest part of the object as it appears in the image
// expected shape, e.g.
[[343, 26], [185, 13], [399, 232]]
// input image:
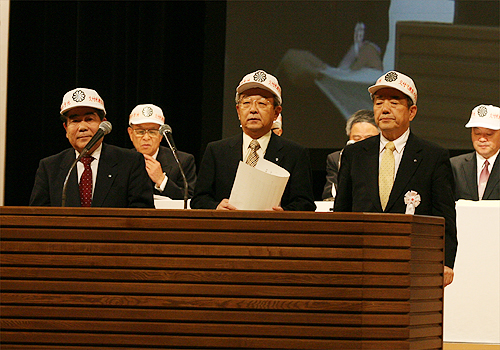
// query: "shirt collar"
[[399, 143], [263, 141], [481, 159], [96, 154]]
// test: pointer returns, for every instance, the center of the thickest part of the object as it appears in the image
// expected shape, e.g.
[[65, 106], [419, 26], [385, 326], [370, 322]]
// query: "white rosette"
[[412, 200]]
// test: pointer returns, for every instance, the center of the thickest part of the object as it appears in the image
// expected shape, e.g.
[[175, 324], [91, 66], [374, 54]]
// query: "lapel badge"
[[412, 200]]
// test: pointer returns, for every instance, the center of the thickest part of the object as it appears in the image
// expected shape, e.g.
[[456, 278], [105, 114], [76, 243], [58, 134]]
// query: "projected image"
[[325, 55]]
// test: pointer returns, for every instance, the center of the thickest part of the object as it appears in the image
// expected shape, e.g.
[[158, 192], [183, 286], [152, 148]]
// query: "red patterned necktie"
[[483, 179], [86, 182]]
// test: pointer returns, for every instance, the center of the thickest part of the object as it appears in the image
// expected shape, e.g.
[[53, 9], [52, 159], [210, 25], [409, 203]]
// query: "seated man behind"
[[359, 126], [163, 170], [477, 174]]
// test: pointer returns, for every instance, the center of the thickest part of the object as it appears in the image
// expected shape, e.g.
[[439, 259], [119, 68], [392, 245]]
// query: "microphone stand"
[[186, 192], [65, 185]]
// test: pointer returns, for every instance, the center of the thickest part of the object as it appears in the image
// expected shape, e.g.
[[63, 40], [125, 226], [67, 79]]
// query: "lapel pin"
[[110, 175], [414, 160], [277, 159]]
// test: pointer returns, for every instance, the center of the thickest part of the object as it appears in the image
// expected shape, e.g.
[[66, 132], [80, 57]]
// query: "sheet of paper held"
[[258, 188]]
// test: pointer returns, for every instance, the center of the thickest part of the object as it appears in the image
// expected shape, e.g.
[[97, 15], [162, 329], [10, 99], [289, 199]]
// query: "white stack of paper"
[[258, 188]]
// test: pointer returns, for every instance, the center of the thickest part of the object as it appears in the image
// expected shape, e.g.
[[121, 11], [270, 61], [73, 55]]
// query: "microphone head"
[[350, 142], [106, 127], [165, 128]]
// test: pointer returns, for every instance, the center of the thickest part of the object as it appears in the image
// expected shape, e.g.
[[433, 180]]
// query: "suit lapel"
[[106, 175], [411, 160], [493, 180], [72, 189], [274, 150], [370, 160], [469, 173]]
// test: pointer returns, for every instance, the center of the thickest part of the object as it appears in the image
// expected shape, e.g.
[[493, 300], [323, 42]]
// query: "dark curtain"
[[169, 53]]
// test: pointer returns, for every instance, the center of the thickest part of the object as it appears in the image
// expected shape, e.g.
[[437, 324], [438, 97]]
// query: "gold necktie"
[[253, 157], [386, 174]]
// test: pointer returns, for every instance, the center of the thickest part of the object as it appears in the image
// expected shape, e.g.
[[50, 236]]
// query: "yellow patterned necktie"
[[253, 157], [386, 174]]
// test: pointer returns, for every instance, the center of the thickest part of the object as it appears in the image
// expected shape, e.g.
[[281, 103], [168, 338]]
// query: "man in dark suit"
[[258, 104], [112, 177], [359, 126], [477, 174], [384, 173], [144, 124]]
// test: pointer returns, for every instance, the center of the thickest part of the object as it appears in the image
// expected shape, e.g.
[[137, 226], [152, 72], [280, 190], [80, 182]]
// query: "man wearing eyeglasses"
[[163, 170], [108, 176], [258, 104]]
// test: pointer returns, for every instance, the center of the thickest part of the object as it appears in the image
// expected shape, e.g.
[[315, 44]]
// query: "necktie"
[[253, 157], [86, 182], [386, 174], [483, 179]]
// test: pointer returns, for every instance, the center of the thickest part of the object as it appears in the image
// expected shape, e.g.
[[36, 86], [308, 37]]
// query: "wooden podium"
[[88, 278]]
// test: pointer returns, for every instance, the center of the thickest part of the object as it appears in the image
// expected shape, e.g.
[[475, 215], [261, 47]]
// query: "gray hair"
[[361, 116]]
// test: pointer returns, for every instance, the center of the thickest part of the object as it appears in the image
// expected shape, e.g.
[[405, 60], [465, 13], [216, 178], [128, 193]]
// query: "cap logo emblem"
[[78, 96], [482, 111], [259, 76], [391, 76], [147, 111]]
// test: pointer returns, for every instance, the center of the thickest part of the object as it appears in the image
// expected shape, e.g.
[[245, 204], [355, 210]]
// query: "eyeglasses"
[[261, 103], [151, 132]]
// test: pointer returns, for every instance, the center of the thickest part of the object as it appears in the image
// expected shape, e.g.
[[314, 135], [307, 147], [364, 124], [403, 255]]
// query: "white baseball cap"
[[147, 113], [82, 97], [485, 116], [260, 79], [397, 81]]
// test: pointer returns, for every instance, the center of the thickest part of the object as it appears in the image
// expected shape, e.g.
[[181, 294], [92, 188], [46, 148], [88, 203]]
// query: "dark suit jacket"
[[465, 174], [122, 180], [220, 164], [175, 185], [332, 172], [424, 168]]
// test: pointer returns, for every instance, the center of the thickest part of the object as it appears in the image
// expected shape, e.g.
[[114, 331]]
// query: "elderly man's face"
[[81, 125], [362, 130], [486, 142], [145, 137], [392, 114], [256, 112]]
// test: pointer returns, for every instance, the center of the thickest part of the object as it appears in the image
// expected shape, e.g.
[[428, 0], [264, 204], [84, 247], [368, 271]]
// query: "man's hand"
[[155, 172], [448, 276], [224, 205]]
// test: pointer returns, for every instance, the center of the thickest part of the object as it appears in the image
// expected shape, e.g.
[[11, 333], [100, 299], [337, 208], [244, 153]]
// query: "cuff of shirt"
[[163, 183]]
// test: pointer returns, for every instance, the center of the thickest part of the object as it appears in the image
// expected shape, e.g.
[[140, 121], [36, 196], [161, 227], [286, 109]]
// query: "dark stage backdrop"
[[169, 53]]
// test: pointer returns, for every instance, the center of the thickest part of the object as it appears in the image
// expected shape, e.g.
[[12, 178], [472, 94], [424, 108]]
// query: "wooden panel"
[[157, 279], [455, 68]]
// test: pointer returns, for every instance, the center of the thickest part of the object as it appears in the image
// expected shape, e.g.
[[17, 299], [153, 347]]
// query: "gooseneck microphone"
[[166, 131], [104, 129]]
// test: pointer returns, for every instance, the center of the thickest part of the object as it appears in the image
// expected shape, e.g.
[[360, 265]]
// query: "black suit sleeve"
[[443, 205], [40, 195], [204, 193], [332, 172]]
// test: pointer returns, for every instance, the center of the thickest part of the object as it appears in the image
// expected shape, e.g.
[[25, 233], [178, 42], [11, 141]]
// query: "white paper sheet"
[[258, 188]]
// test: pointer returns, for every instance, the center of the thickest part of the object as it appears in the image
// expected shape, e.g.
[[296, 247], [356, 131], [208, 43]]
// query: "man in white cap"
[[144, 124], [108, 176], [398, 172], [258, 104], [477, 174]]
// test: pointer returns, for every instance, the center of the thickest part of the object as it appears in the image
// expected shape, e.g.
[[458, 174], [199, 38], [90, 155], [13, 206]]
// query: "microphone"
[[166, 131], [104, 129], [350, 142]]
